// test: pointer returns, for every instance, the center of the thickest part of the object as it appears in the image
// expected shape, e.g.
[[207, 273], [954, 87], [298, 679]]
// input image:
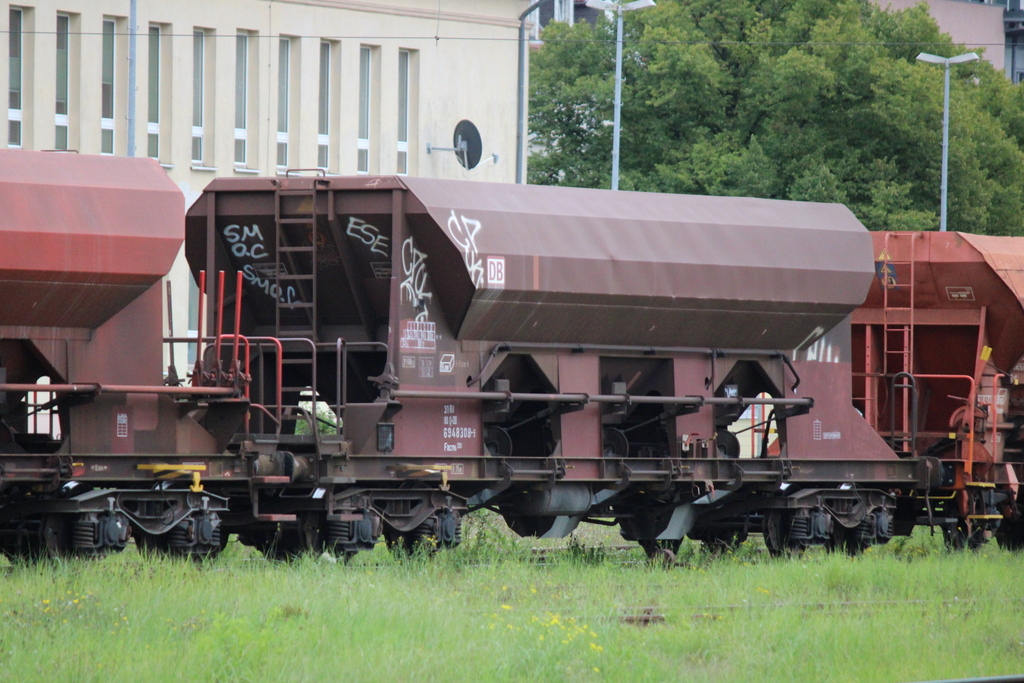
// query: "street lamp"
[[521, 92], [619, 7], [946, 61]]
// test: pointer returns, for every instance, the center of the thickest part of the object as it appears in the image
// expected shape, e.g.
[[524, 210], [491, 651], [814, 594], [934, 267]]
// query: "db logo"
[[496, 271]]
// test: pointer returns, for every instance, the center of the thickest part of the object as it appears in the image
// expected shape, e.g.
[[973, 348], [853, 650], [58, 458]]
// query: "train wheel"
[[772, 529], [403, 545], [1010, 535], [423, 539], [395, 541], [664, 556], [775, 528], [197, 537], [437, 532], [962, 536], [720, 541], [843, 540], [837, 539], [21, 542], [661, 551], [150, 544], [56, 536], [312, 529]]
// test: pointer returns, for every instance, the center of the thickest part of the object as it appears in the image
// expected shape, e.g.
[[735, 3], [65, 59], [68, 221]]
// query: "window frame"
[[323, 125], [62, 95], [365, 109], [284, 100], [241, 137], [154, 81], [404, 103], [108, 85], [199, 38], [16, 75]]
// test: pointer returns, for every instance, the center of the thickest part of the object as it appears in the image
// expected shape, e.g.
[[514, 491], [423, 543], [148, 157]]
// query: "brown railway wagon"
[[380, 355], [556, 354], [937, 351]]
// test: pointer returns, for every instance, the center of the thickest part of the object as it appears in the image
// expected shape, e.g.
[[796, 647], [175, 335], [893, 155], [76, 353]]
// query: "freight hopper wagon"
[[409, 350], [937, 371], [93, 444]]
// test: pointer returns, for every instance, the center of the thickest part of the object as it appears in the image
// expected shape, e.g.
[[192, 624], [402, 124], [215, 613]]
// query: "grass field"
[[491, 611]]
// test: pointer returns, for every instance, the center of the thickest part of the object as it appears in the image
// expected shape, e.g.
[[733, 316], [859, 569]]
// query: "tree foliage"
[[816, 100]]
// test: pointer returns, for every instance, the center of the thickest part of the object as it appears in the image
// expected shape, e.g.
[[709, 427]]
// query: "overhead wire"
[[582, 41]]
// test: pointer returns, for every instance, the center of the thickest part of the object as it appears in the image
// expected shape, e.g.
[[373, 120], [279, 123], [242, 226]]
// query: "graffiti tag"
[[823, 352], [369, 235], [245, 241], [286, 295], [463, 232], [414, 286]]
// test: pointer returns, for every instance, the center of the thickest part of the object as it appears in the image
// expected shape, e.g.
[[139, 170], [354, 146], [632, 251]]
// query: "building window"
[[241, 97], [563, 11], [365, 74], [107, 90], [63, 67], [198, 92], [560, 10], [283, 100], [153, 95], [323, 130], [14, 97], [403, 112]]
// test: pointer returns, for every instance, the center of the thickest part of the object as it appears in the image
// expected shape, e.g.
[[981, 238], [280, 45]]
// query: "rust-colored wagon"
[[938, 344]]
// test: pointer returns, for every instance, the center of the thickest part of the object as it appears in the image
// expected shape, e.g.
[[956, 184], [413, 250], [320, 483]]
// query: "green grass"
[[909, 611]]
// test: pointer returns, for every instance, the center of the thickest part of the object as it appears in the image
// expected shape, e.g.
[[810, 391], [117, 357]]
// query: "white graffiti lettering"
[[368, 235], [463, 232], [245, 241], [286, 296], [823, 352], [414, 286]]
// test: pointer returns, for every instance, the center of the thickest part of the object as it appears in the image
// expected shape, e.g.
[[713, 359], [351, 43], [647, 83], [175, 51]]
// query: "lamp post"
[[521, 91], [619, 7], [946, 61]]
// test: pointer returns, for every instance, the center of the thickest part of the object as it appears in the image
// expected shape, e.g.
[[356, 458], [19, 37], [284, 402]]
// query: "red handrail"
[[238, 320], [197, 371], [220, 324]]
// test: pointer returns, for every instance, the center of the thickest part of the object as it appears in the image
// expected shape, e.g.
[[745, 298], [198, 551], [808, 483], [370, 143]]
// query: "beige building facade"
[[240, 87], [978, 25], [256, 87]]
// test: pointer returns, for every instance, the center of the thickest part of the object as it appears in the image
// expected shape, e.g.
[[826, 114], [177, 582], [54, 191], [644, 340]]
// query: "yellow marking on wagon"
[[169, 471], [424, 471]]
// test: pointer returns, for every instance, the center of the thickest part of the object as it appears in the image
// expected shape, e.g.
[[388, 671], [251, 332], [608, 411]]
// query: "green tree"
[[818, 100]]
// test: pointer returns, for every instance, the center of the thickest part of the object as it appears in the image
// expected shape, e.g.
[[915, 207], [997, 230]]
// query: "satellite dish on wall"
[[467, 144]]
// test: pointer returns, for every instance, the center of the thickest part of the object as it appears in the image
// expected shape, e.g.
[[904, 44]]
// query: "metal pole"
[[618, 99], [132, 64], [945, 151], [521, 93]]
